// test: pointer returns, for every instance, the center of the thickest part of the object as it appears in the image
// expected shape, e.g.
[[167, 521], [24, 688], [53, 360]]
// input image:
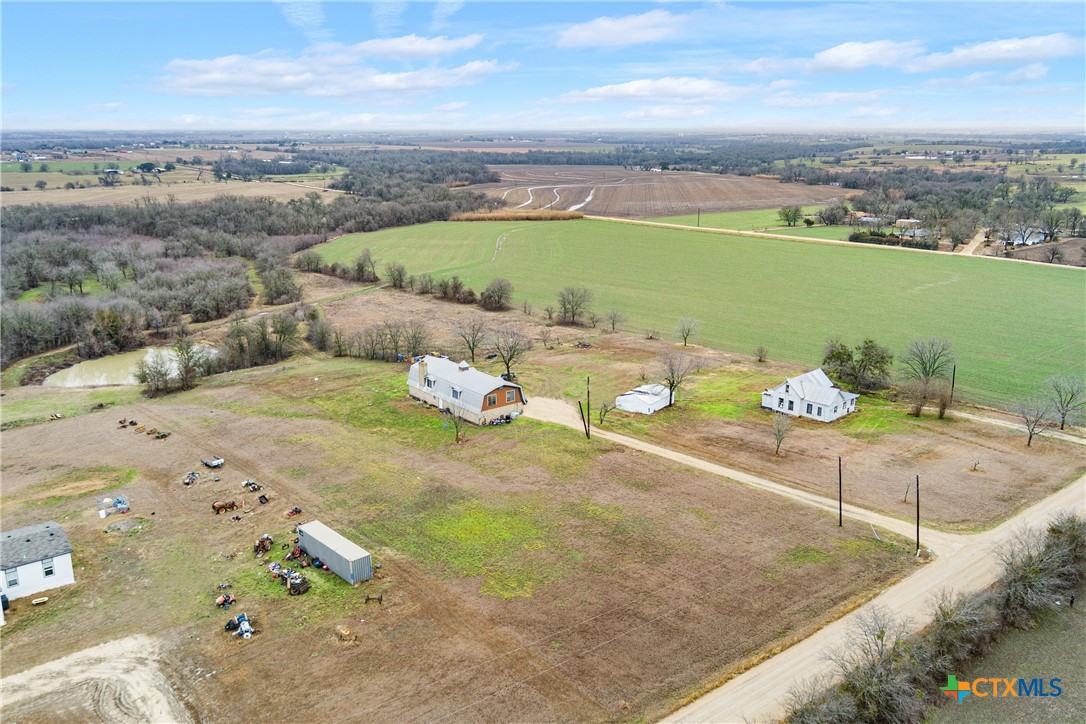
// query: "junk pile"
[[293, 512], [296, 583], [117, 504], [190, 478], [252, 486], [240, 625]]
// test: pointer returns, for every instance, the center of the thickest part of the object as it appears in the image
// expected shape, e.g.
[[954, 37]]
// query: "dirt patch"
[[119, 681]]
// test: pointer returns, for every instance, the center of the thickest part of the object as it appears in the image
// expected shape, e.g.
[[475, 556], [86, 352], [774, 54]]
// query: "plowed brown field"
[[615, 191]]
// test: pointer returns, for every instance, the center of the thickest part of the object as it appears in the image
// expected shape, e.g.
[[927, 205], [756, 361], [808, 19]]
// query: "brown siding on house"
[[500, 392]]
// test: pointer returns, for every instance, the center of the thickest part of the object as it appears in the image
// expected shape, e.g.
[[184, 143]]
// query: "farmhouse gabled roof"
[[464, 376], [32, 543], [815, 386]]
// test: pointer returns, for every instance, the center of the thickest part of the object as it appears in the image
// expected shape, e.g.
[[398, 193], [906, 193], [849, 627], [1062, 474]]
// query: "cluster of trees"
[[883, 675], [163, 372], [1063, 397], [926, 370], [247, 168]]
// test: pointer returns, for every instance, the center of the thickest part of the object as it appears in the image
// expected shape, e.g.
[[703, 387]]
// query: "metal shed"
[[348, 560]]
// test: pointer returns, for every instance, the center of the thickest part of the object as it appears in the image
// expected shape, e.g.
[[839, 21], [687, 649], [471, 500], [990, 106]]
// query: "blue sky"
[[355, 66]]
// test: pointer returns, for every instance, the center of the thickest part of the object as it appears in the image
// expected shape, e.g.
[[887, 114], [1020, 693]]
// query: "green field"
[[760, 220], [1012, 325]]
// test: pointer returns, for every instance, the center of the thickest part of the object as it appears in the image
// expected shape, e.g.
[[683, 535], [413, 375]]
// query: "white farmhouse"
[[645, 399], [34, 559], [810, 395], [475, 396]]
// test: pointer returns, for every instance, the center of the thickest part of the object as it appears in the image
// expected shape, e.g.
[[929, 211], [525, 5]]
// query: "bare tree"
[[1066, 392], [573, 304], [455, 414], [526, 307], [782, 423], [472, 331], [397, 274], [676, 368], [416, 337], [1034, 414], [1052, 253], [605, 407], [687, 327], [761, 353], [545, 337], [928, 359], [510, 344], [614, 318]]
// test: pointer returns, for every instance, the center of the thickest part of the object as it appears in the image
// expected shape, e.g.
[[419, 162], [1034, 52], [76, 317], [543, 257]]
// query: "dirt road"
[[964, 562]]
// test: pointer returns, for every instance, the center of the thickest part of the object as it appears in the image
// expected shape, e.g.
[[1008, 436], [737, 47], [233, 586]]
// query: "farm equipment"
[[220, 506], [240, 625], [262, 546], [252, 486], [190, 478], [225, 601], [215, 462], [297, 584]]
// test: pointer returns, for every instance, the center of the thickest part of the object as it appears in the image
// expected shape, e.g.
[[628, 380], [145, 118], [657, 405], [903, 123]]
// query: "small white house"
[[810, 395], [475, 396], [645, 399], [35, 559]]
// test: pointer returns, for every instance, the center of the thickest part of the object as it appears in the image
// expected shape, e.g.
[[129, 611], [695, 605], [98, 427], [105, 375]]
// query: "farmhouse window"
[[47, 567], [780, 402], [808, 408], [835, 409], [430, 383], [11, 576], [791, 405], [456, 394], [510, 396], [820, 412], [491, 400]]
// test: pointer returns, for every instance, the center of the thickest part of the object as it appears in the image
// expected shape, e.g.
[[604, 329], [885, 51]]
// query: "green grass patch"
[[91, 288], [77, 483], [36, 407], [803, 554], [508, 542], [789, 296], [751, 220]]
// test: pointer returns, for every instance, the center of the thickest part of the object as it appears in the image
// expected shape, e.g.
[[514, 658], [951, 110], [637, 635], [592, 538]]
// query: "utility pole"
[[953, 377], [840, 496], [588, 417], [917, 515], [699, 217]]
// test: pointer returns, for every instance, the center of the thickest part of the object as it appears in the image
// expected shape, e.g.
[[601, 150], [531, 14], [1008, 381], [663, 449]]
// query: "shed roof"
[[33, 543], [648, 392], [346, 548]]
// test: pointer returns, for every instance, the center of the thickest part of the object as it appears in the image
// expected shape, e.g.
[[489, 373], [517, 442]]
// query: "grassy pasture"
[[760, 220], [1012, 325]]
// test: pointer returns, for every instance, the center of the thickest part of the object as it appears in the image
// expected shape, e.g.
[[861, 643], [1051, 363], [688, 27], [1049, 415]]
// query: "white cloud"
[[387, 15], [443, 10], [307, 16], [667, 112], [608, 32], [787, 99], [782, 84], [454, 106], [972, 79], [1027, 74], [771, 66], [1009, 50], [670, 90], [407, 47], [310, 75], [854, 56]]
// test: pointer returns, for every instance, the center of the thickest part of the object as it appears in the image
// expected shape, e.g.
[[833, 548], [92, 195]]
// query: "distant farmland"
[[1012, 324], [629, 193]]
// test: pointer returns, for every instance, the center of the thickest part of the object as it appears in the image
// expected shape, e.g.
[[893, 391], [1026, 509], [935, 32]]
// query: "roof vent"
[[464, 366]]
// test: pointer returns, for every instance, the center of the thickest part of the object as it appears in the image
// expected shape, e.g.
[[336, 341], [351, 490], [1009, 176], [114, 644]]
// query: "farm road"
[[964, 562]]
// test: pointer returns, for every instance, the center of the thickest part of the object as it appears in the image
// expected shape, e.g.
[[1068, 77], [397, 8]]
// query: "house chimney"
[[422, 371]]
